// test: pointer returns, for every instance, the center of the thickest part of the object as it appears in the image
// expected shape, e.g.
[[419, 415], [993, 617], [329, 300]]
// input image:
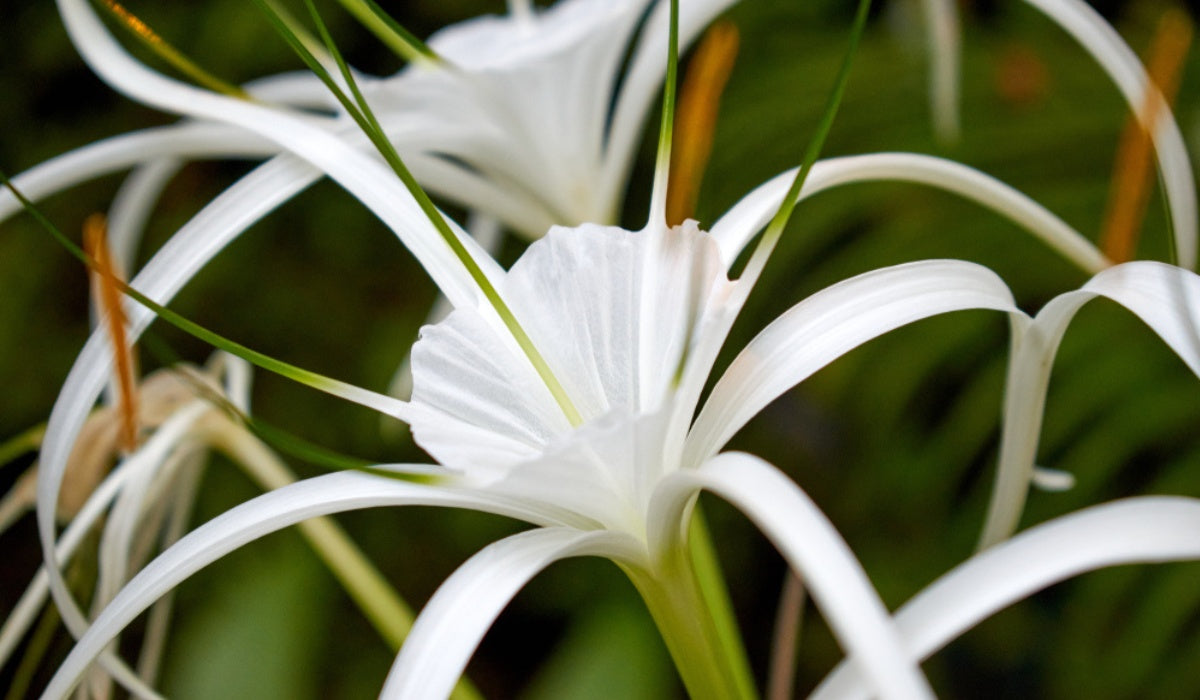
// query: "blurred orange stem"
[[696, 117], [108, 293], [1129, 193]]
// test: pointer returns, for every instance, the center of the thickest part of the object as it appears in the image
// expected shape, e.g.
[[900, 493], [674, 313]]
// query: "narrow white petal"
[[829, 324], [131, 208], [323, 495], [1138, 530], [1165, 297], [1122, 64], [458, 615], [190, 140], [814, 550], [741, 223]]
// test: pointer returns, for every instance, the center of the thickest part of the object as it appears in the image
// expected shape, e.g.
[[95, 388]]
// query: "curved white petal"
[[132, 206], [1165, 297], [1138, 530], [829, 324], [361, 174], [458, 615], [187, 251], [814, 550], [752, 212], [1122, 64], [188, 140], [322, 495]]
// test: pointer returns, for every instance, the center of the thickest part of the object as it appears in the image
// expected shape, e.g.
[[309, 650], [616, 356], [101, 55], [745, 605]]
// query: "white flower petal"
[[189, 140], [1108, 48], [1138, 530], [741, 223], [1166, 297], [814, 550], [829, 324], [458, 615], [323, 495], [613, 312], [131, 208], [542, 86]]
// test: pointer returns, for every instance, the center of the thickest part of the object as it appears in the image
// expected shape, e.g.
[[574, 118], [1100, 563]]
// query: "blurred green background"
[[896, 441]]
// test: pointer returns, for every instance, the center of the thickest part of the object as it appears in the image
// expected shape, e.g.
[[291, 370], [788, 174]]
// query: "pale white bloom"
[[531, 117], [630, 323]]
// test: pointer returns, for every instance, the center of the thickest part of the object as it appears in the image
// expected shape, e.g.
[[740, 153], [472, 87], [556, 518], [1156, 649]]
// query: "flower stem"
[[674, 593]]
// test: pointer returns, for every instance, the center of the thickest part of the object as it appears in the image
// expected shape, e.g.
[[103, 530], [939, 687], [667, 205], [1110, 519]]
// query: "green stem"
[[716, 597], [672, 592], [395, 37], [778, 222]]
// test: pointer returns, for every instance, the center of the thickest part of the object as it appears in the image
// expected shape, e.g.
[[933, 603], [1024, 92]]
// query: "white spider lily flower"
[[532, 117], [630, 323], [654, 420]]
